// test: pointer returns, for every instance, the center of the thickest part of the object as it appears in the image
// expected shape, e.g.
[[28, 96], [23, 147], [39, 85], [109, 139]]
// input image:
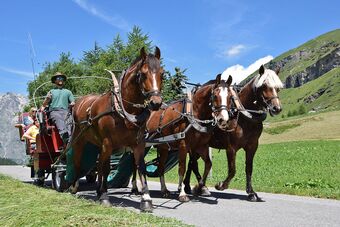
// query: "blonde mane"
[[269, 78]]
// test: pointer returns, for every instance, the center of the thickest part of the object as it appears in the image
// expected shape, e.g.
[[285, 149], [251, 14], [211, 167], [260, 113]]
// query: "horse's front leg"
[[138, 153], [134, 188], [231, 156], [183, 197], [103, 171], [250, 153]]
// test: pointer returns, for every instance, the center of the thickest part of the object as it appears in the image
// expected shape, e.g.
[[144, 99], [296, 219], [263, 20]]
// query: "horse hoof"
[[219, 186], [105, 203], [253, 197], [135, 191], [183, 198], [166, 194], [105, 200], [146, 206], [205, 191], [74, 188], [187, 189]]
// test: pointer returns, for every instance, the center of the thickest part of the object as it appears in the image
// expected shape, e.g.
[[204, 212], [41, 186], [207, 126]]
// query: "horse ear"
[[261, 70], [157, 53], [143, 53], [218, 79], [230, 80], [277, 70]]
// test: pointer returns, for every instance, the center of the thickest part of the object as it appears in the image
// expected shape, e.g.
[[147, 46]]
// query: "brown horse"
[[117, 119], [210, 104], [258, 96]]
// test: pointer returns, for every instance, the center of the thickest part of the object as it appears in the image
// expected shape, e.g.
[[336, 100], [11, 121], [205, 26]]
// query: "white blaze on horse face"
[[224, 96], [154, 82]]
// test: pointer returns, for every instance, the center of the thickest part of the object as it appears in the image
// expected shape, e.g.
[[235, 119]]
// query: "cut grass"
[[308, 168], [27, 205]]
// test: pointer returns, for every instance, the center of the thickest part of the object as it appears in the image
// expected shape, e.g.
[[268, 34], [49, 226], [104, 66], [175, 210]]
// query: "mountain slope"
[[10, 145]]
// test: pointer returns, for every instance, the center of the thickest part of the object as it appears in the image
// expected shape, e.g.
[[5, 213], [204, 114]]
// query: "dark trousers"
[[58, 118]]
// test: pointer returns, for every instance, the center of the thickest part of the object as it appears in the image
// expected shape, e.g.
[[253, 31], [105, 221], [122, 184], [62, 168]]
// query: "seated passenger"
[[31, 133], [27, 120]]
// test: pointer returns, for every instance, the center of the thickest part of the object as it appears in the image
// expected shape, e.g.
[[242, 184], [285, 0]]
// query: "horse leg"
[[103, 171], [162, 159], [134, 189], [183, 197], [78, 153], [250, 153], [201, 189], [192, 166], [231, 156], [146, 201]]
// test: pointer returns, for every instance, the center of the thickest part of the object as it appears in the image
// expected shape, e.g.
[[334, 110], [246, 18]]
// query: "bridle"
[[147, 94]]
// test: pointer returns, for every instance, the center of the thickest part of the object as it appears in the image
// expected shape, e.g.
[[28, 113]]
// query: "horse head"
[[221, 101], [267, 86], [149, 78]]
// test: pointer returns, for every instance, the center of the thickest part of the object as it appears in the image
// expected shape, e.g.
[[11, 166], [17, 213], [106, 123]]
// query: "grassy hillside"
[[322, 126], [317, 48], [293, 98]]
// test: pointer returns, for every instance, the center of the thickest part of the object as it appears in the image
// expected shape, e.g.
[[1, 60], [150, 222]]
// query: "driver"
[[59, 101]]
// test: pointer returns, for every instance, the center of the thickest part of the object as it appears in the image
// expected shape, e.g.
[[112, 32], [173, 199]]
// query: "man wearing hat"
[[59, 101]]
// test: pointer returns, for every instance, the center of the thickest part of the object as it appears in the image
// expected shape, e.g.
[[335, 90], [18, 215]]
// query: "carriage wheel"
[[58, 180]]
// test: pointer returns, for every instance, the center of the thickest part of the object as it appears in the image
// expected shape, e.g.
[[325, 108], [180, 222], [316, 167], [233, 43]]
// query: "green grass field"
[[308, 168], [27, 205]]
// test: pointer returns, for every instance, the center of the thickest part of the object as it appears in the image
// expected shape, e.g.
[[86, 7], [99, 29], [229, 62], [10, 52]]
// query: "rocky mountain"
[[310, 60], [10, 145]]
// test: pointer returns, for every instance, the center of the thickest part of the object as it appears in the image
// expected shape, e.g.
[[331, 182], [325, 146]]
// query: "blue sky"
[[205, 36]]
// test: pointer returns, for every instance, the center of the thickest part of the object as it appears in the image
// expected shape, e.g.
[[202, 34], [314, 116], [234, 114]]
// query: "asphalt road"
[[227, 208]]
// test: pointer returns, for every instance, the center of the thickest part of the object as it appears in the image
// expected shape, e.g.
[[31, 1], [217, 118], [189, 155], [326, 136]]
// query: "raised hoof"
[[183, 198], [253, 197], [187, 189], [219, 186], [146, 206], [166, 194]]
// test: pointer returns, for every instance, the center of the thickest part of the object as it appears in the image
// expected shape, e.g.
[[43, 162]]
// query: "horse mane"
[[269, 78]]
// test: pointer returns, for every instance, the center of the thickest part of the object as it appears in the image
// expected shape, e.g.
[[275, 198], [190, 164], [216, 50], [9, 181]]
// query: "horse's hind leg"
[[183, 197], [250, 153], [138, 153], [103, 171], [201, 189], [192, 167], [231, 156], [162, 159]]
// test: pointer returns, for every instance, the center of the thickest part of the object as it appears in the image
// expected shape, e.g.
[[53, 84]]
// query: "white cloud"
[[17, 72], [116, 21], [234, 50], [239, 72]]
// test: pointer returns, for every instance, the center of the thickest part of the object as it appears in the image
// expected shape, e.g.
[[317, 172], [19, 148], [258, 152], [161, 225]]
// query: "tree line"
[[116, 56]]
